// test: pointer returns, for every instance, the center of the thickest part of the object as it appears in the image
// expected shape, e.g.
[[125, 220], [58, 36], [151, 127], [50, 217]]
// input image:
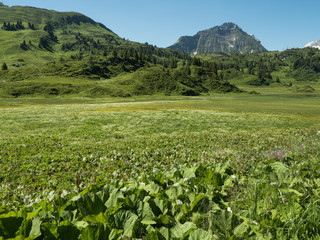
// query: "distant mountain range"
[[50, 53], [315, 44], [227, 38]]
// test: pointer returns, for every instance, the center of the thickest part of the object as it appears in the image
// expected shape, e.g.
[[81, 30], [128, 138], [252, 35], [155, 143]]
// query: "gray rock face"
[[227, 38]]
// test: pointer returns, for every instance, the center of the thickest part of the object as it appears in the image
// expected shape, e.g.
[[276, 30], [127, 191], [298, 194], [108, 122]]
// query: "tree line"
[[7, 26]]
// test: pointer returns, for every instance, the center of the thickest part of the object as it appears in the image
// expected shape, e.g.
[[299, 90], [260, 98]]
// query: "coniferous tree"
[[31, 26], [4, 67], [4, 26], [24, 45]]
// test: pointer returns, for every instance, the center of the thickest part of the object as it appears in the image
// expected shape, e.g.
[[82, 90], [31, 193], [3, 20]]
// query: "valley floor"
[[161, 167]]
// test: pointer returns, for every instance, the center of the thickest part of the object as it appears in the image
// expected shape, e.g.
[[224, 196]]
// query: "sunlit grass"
[[50, 146]]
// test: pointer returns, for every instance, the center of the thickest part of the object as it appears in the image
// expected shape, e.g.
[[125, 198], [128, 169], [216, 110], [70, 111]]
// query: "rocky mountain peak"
[[228, 38], [315, 44]]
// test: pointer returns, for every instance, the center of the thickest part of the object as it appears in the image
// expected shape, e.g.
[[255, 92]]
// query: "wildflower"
[[64, 193], [229, 210]]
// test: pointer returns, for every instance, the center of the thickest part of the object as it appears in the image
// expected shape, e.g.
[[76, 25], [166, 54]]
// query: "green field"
[[105, 138], [229, 166]]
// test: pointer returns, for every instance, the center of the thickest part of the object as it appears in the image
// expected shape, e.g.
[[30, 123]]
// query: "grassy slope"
[[282, 71], [10, 40], [12, 54]]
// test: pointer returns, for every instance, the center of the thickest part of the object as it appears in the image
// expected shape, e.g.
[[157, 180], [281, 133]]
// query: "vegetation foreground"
[[219, 167]]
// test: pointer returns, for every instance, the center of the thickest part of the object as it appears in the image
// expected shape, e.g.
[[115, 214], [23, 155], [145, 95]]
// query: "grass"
[[11, 53], [50, 146], [165, 114]]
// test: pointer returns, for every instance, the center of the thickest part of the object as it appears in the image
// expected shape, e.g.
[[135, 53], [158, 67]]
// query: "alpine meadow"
[[214, 137]]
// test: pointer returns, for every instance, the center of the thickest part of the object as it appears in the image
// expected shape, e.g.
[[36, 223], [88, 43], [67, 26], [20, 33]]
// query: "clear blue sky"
[[279, 24]]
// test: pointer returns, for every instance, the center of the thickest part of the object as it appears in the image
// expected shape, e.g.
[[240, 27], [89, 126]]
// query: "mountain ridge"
[[314, 44], [227, 38], [50, 53]]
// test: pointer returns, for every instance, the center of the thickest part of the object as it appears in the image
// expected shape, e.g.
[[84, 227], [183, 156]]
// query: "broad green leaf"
[[197, 199], [100, 218], [148, 222], [120, 218], [147, 215], [36, 224], [90, 203], [9, 225], [115, 234], [152, 236], [96, 232], [89, 233], [241, 229], [129, 225], [25, 228], [28, 238], [189, 173], [49, 230], [182, 210], [103, 195], [228, 182], [75, 198], [181, 231], [162, 219], [152, 188], [67, 232], [160, 178], [165, 232], [33, 214], [67, 215], [113, 199], [150, 229], [81, 224], [174, 192], [200, 234], [159, 206]]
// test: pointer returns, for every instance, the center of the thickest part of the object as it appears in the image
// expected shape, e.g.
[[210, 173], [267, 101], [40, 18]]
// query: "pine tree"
[[4, 67]]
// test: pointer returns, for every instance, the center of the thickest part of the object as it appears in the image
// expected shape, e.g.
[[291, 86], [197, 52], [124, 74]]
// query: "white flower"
[[229, 210], [233, 176], [176, 184], [178, 201], [186, 179]]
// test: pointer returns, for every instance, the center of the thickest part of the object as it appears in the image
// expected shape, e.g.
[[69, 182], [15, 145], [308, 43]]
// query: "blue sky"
[[279, 24]]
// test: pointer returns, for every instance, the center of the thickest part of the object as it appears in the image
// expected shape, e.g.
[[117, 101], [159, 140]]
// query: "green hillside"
[[28, 27], [51, 53], [293, 71], [93, 147]]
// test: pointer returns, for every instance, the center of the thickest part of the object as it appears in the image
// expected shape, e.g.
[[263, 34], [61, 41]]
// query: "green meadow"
[[225, 166], [105, 138]]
